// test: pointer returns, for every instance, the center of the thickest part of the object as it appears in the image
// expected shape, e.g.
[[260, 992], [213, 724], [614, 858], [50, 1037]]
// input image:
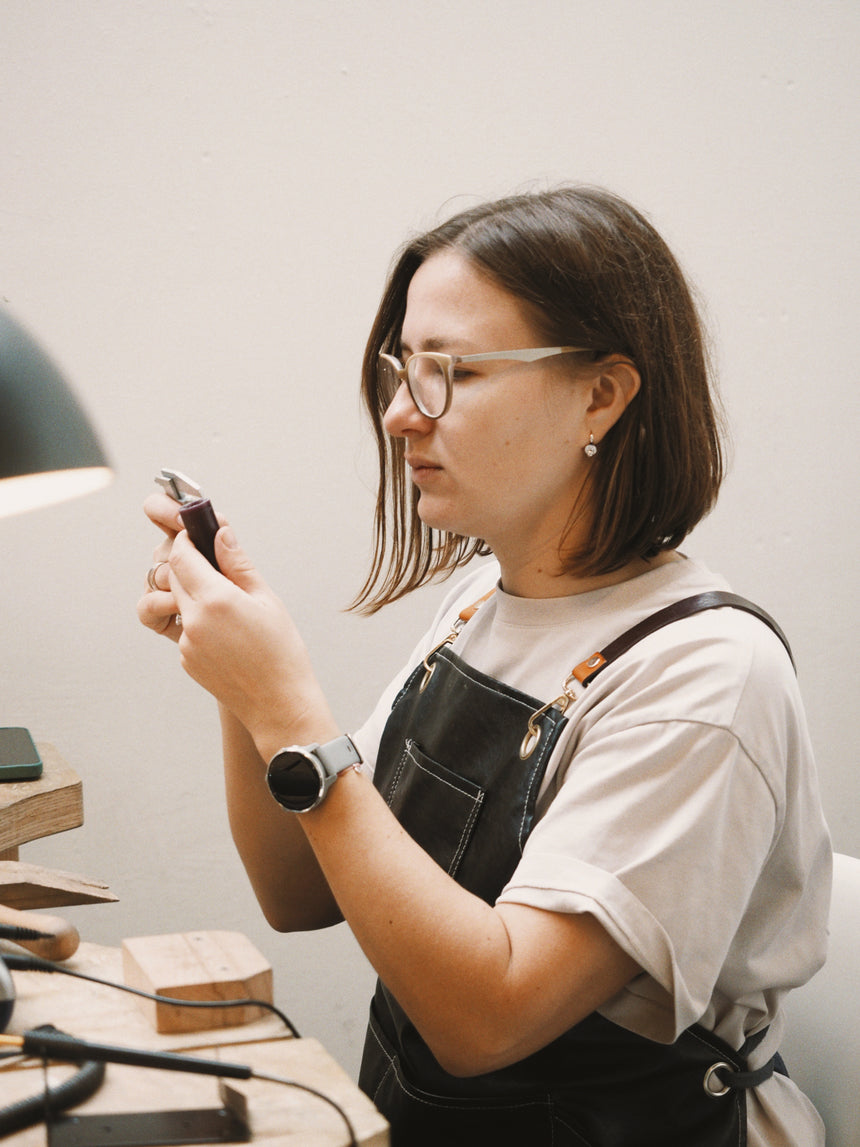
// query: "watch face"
[[295, 781]]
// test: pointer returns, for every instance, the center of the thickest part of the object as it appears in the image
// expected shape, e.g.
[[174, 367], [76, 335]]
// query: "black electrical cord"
[[20, 963], [353, 1141], [47, 1040], [54, 1099], [17, 932], [51, 1044]]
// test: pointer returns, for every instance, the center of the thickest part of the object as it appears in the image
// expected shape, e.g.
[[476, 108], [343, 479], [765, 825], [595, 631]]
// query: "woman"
[[581, 891]]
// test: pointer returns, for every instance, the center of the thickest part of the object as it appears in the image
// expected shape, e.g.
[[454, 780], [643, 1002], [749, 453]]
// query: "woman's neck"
[[539, 579]]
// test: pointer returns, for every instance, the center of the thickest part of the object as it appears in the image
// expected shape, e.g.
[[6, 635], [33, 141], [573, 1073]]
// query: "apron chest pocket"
[[413, 795]]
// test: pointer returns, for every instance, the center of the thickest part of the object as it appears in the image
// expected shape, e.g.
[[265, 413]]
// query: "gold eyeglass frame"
[[448, 361]]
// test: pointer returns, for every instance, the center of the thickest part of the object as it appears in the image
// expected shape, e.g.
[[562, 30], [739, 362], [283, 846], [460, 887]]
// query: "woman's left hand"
[[239, 642]]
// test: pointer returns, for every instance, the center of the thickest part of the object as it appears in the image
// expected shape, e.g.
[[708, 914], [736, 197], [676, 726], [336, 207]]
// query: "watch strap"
[[338, 755]]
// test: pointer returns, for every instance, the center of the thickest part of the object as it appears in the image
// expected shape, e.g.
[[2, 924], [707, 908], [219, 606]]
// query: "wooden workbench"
[[279, 1116]]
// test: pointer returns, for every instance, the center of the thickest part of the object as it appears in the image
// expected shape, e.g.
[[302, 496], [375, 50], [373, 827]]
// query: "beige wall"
[[198, 204]]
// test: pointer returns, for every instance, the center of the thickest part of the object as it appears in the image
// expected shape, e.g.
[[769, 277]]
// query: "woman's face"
[[506, 462]]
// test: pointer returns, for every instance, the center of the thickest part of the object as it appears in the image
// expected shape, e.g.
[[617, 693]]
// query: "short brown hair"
[[594, 273]]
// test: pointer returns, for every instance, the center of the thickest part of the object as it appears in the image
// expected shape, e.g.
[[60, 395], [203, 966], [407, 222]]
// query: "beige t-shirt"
[[680, 806]]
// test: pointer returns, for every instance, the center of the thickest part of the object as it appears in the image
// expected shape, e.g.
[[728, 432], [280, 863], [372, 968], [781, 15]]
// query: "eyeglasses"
[[430, 376]]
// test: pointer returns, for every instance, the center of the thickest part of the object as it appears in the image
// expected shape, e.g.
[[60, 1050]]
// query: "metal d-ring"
[[710, 1074], [533, 730], [530, 740], [430, 667]]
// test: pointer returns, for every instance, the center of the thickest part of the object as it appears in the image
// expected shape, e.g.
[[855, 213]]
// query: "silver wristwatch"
[[300, 776]]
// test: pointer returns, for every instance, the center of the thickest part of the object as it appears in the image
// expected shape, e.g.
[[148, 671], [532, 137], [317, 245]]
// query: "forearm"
[[421, 932], [484, 985], [281, 866]]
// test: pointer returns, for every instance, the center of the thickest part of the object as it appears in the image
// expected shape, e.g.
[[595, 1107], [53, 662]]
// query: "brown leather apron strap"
[[587, 670]]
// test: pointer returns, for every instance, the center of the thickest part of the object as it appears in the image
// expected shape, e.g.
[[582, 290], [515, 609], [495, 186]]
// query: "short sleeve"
[[660, 828]]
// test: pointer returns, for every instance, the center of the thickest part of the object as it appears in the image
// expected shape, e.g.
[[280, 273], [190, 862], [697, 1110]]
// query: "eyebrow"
[[434, 344]]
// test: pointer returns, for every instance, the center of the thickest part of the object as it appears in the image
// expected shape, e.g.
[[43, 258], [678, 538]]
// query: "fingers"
[[191, 575], [164, 513], [157, 610], [160, 608], [235, 564], [236, 638], [197, 578]]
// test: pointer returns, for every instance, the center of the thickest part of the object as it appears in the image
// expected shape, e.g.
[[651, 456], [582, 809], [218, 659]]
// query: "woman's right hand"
[[157, 609], [235, 636]]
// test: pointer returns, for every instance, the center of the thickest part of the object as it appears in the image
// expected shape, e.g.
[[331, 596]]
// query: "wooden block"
[[97, 1013], [33, 809], [197, 966], [31, 886]]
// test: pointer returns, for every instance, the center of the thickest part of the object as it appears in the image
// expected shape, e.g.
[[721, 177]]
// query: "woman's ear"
[[612, 392]]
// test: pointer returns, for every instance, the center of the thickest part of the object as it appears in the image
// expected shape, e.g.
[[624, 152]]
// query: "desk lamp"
[[48, 450], [48, 453]]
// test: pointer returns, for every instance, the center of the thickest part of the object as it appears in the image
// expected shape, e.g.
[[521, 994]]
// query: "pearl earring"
[[590, 448]]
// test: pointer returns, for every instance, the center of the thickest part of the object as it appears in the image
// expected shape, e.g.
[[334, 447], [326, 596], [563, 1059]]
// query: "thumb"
[[234, 563]]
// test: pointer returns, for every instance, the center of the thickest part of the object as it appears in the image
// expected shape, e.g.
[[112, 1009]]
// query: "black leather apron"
[[451, 769]]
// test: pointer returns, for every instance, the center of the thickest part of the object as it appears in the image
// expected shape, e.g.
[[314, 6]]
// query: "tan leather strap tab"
[[589, 667], [467, 613]]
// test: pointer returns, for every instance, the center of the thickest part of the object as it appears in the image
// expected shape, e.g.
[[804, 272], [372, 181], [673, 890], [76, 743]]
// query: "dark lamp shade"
[[48, 450]]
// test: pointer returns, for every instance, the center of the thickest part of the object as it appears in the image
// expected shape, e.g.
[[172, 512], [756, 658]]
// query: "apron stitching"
[[436, 1101], [487, 688], [391, 1066], [545, 750], [398, 773], [443, 780], [407, 685], [476, 799], [471, 1104], [557, 1119], [466, 834], [701, 1036], [500, 1108]]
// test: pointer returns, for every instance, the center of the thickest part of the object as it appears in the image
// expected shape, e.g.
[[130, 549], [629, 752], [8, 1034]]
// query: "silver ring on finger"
[[150, 575]]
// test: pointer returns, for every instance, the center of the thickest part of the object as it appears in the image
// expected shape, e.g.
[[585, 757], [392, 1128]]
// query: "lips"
[[420, 466]]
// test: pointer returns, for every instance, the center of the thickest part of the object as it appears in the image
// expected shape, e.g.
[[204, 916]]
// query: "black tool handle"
[[202, 526]]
